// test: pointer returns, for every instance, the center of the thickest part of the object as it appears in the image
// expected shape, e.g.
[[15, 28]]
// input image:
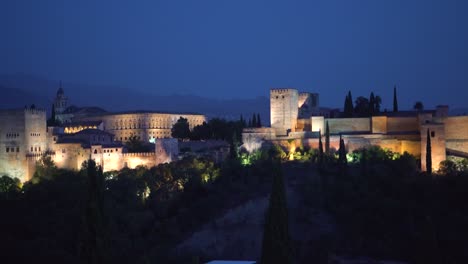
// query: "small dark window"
[[283, 96], [7, 149], [95, 151], [432, 134], [39, 149], [32, 149], [17, 149], [276, 97]]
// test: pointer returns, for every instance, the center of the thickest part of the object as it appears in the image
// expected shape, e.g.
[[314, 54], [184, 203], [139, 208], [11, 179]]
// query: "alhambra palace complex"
[[295, 120]]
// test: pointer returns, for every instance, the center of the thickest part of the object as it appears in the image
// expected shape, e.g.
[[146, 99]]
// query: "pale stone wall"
[[144, 126], [317, 124], [457, 144], [456, 127], [22, 132], [342, 125], [402, 124], [379, 124], [438, 151], [69, 156], [283, 110], [166, 150], [133, 160], [304, 124]]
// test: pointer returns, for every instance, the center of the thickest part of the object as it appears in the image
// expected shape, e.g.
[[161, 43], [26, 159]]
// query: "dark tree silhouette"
[[348, 107], [180, 129], [362, 106], [342, 152], [327, 138], [276, 245], [378, 102], [418, 106], [92, 245], [254, 121], [320, 148], [428, 154], [395, 101], [259, 123], [372, 104]]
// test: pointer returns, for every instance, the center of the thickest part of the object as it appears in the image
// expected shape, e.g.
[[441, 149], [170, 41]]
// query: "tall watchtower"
[[60, 103], [283, 110]]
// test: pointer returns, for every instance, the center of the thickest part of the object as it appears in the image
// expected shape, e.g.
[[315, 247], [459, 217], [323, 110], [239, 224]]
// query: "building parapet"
[[139, 154]]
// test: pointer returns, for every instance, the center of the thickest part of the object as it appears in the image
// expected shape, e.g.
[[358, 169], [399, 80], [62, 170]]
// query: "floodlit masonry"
[[405, 131], [84, 133]]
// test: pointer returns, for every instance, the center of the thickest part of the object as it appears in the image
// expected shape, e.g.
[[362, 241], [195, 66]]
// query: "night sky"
[[242, 48]]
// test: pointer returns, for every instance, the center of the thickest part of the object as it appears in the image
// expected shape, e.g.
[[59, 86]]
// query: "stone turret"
[[284, 110], [60, 103]]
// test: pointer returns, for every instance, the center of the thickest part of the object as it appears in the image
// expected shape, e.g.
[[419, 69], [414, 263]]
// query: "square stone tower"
[[284, 110]]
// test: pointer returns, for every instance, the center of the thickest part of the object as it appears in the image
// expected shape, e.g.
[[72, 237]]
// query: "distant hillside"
[[22, 89]]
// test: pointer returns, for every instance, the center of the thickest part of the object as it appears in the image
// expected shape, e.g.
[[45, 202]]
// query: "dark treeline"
[[386, 208], [216, 128], [383, 206], [128, 216]]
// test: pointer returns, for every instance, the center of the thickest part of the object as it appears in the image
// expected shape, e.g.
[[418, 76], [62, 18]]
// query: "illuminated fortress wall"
[[291, 128], [22, 132], [283, 110], [144, 126]]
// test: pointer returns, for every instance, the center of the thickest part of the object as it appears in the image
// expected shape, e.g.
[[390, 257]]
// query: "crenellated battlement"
[[282, 90], [139, 154], [34, 111]]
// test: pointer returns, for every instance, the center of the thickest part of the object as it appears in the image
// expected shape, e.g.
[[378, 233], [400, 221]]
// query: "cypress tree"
[[259, 123], [320, 148], [52, 118], [242, 121], [92, 247], [250, 123], [350, 104], [342, 152], [254, 121], [395, 102], [327, 139], [276, 245], [372, 104], [428, 154]]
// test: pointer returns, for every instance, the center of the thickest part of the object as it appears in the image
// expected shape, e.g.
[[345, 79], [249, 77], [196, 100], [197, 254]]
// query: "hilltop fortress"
[[83, 133], [295, 121]]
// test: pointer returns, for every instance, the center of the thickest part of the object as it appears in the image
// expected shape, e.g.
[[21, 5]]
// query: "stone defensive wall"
[[304, 124], [260, 133], [343, 125], [353, 143], [132, 160], [402, 124], [456, 127]]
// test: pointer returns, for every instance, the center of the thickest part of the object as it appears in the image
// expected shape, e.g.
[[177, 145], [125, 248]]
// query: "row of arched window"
[[12, 135]]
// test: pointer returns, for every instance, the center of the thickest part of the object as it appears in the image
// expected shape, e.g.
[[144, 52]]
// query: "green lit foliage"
[[9, 186], [45, 169]]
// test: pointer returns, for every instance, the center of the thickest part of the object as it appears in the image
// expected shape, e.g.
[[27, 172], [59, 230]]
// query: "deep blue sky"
[[241, 48]]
